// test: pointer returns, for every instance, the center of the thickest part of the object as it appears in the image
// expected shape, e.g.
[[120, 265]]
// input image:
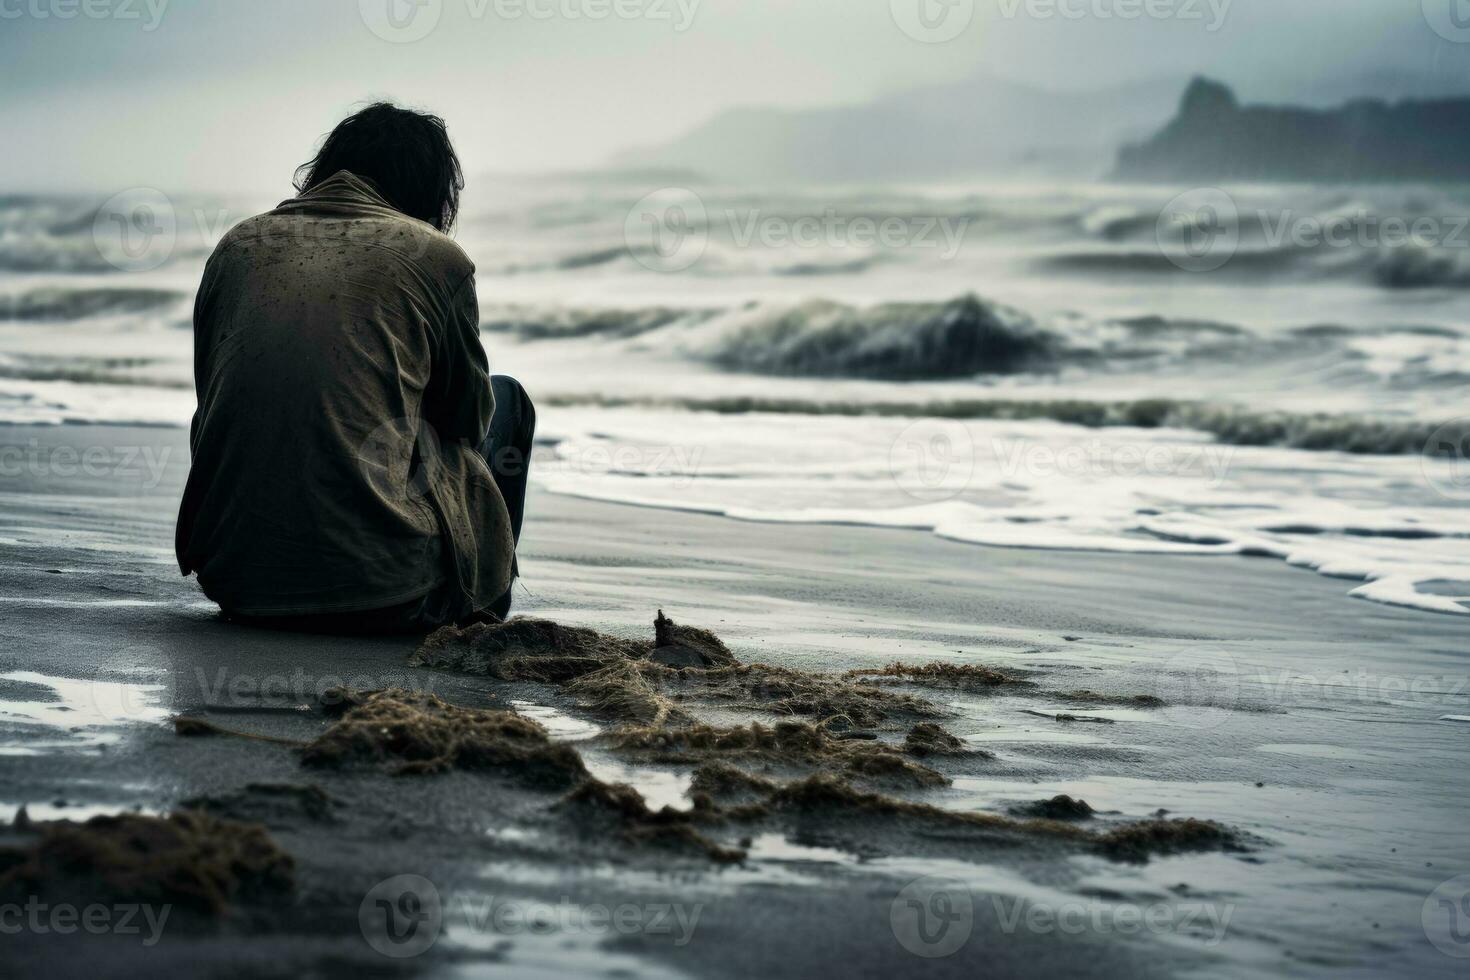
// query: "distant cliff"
[[1213, 137]]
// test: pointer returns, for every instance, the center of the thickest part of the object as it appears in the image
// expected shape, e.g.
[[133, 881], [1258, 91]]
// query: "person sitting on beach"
[[354, 465]]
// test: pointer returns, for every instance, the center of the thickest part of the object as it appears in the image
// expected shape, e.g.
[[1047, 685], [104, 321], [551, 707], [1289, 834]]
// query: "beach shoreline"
[[1284, 698]]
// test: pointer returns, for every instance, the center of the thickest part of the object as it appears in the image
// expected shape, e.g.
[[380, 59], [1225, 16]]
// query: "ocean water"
[[1274, 371]]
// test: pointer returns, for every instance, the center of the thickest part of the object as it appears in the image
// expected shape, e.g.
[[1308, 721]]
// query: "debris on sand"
[[337, 701], [657, 688], [665, 828], [787, 743], [629, 690], [784, 691], [525, 649], [927, 738], [890, 767], [1139, 840], [1060, 807], [835, 797], [414, 732], [191, 727], [193, 861], [541, 650], [688, 646], [632, 679], [831, 797], [1094, 698], [1067, 717], [826, 792], [942, 675], [730, 784]]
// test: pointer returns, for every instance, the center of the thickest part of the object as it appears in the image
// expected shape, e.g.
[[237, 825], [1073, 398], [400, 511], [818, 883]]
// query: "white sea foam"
[[1373, 519]]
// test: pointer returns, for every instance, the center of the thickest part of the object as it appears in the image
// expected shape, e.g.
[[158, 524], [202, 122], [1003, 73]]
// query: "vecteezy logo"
[[932, 21], [1446, 917], [136, 230], [401, 916], [1199, 230], [1198, 679], [1446, 459], [932, 459], [137, 700], [401, 21], [668, 230], [398, 459], [932, 916], [1450, 19]]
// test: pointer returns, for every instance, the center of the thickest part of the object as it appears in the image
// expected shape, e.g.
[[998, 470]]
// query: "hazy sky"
[[102, 94]]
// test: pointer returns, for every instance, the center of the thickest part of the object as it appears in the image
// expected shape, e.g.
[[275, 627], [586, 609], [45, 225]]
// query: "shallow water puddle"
[[561, 726], [37, 708], [529, 937], [658, 787], [780, 849], [77, 812]]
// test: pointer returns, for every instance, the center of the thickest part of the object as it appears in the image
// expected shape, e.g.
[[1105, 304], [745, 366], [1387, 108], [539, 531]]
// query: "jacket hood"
[[342, 193]]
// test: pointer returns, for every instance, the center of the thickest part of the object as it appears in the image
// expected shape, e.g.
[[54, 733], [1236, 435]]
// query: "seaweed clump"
[[722, 781], [632, 691], [687, 646], [942, 675], [665, 828], [414, 732], [525, 649], [828, 796], [191, 860], [1061, 807], [1138, 841], [835, 798], [927, 738], [641, 682], [783, 744], [784, 691], [1097, 698]]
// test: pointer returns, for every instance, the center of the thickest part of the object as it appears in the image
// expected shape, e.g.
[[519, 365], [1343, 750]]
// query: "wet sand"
[[1268, 675]]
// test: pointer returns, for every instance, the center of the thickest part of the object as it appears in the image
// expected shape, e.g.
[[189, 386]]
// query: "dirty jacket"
[[343, 395]]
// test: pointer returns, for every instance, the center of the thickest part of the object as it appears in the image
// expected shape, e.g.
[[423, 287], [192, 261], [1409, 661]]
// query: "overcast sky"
[[235, 93]]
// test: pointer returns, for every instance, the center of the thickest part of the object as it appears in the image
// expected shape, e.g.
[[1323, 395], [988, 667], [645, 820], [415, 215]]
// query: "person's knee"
[[511, 392]]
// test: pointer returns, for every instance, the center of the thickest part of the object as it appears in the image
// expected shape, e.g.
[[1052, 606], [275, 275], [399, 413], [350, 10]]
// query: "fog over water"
[[218, 95]]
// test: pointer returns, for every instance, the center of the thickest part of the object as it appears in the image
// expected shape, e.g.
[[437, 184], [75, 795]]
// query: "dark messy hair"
[[406, 154]]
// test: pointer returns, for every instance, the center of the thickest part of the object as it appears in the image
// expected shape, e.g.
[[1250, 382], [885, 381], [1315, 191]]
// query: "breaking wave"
[[130, 371], [61, 304], [893, 341], [1391, 241], [540, 323], [1423, 268]]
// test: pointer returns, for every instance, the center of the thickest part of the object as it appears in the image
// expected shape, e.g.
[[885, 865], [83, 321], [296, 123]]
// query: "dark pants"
[[507, 451]]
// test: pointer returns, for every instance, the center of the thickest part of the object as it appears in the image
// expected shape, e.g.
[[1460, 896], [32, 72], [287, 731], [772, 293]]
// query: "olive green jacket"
[[343, 395]]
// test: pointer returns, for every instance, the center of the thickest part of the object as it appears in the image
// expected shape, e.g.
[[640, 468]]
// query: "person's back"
[[343, 400]]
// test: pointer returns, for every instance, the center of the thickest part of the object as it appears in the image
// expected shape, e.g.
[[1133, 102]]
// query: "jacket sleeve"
[[459, 402]]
